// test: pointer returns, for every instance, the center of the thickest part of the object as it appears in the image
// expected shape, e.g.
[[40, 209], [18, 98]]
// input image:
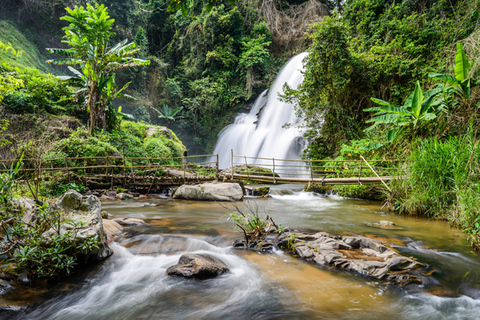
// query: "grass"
[[30, 55], [443, 182]]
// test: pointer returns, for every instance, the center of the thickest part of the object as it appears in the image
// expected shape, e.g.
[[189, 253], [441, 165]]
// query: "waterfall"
[[261, 132]]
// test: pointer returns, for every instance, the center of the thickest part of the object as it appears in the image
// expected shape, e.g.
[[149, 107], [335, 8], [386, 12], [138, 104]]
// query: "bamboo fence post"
[[246, 168], [311, 173], [131, 170], [68, 170], [231, 161], [273, 171], [154, 176], [124, 169], [184, 168], [216, 168], [107, 165], [360, 173]]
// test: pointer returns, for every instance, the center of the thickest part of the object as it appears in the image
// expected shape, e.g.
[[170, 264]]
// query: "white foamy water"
[[261, 133]]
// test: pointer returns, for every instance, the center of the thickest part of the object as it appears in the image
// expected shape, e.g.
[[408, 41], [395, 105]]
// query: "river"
[[132, 284]]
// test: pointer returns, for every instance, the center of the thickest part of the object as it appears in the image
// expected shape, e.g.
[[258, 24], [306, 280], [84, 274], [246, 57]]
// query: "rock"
[[210, 192], [384, 224], [111, 194], [84, 210], [27, 207], [258, 191], [5, 286], [10, 271], [142, 196], [10, 310], [261, 191], [112, 228], [361, 255], [149, 205], [198, 266], [107, 198], [129, 222], [106, 215], [124, 196], [178, 173]]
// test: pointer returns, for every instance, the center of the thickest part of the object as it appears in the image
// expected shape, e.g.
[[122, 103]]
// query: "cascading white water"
[[261, 133]]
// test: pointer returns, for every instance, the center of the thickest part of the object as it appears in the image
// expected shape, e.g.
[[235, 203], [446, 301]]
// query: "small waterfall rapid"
[[261, 133]]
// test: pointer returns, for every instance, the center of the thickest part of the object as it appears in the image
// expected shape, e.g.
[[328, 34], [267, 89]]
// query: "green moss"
[[370, 192], [137, 129], [156, 148]]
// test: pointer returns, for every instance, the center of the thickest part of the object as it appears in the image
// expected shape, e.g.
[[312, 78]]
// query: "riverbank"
[[133, 281]]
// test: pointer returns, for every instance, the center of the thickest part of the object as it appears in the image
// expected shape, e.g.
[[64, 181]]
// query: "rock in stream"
[[356, 254], [198, 266]]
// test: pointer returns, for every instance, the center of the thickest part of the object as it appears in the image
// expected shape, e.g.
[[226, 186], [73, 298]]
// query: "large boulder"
[[210, 192], [82, 213], [198, 266]]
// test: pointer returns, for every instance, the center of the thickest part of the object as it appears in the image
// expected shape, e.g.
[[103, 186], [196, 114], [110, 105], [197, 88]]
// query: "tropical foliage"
[[88, 36]]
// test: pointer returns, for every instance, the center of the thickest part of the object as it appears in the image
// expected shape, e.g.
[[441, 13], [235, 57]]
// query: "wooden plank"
[[365, 180]]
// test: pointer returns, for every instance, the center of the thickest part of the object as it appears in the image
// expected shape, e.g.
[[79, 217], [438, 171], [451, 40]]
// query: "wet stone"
[[129, 222], [361, 255], [198, 266]]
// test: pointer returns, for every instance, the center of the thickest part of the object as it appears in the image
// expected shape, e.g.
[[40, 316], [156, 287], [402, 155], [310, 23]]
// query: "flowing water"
[[132, 284], [262, 131]]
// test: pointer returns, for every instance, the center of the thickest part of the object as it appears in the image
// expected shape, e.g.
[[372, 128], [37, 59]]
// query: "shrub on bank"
[[442, 180]]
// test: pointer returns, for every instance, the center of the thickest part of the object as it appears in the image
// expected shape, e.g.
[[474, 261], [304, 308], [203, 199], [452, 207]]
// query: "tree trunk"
[[92, 105]]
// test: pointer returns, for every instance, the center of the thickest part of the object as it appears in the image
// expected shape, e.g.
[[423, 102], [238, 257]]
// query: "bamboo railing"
[[354, 171], [107, 171], [145, 172]]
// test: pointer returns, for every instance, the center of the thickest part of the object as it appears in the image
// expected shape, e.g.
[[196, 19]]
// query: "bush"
[[24, 243], [442, 180], [38, 93], [60, 188], [157, 148]]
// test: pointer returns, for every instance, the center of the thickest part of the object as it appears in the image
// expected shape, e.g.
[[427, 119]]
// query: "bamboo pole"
[[107, 164], [231, 161], [131, 170], [375, 173], [216, 168], [360, 173], [68, 171], [184, 169], [124, 168], [273, 171]]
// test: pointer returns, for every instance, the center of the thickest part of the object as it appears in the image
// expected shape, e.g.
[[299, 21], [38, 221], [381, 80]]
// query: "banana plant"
[[418, 108], [457, 89], [169, 113], [87, 36]]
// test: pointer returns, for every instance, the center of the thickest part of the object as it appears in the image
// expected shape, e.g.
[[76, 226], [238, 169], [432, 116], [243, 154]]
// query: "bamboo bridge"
[[155, 174]]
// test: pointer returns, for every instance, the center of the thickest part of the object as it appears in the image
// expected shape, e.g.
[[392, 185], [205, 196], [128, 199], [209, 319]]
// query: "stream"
[[132, 284]]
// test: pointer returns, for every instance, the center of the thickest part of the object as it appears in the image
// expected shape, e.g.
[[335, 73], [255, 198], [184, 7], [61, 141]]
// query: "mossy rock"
[[261, 191], [368, 192]]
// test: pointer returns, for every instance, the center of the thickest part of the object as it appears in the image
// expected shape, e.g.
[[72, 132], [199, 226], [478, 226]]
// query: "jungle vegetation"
[[384, 78]]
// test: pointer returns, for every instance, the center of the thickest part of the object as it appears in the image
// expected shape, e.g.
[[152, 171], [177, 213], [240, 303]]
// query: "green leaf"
[[391, 135], [417, 99], [448, 79], [380, 102], [386, 118], [397, 110], [461, 63]]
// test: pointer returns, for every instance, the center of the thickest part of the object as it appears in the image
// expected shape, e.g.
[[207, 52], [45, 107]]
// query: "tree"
[[88, 36]]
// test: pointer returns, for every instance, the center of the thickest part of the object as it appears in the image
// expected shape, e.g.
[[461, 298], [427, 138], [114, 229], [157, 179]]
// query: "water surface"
[[132, 284]]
